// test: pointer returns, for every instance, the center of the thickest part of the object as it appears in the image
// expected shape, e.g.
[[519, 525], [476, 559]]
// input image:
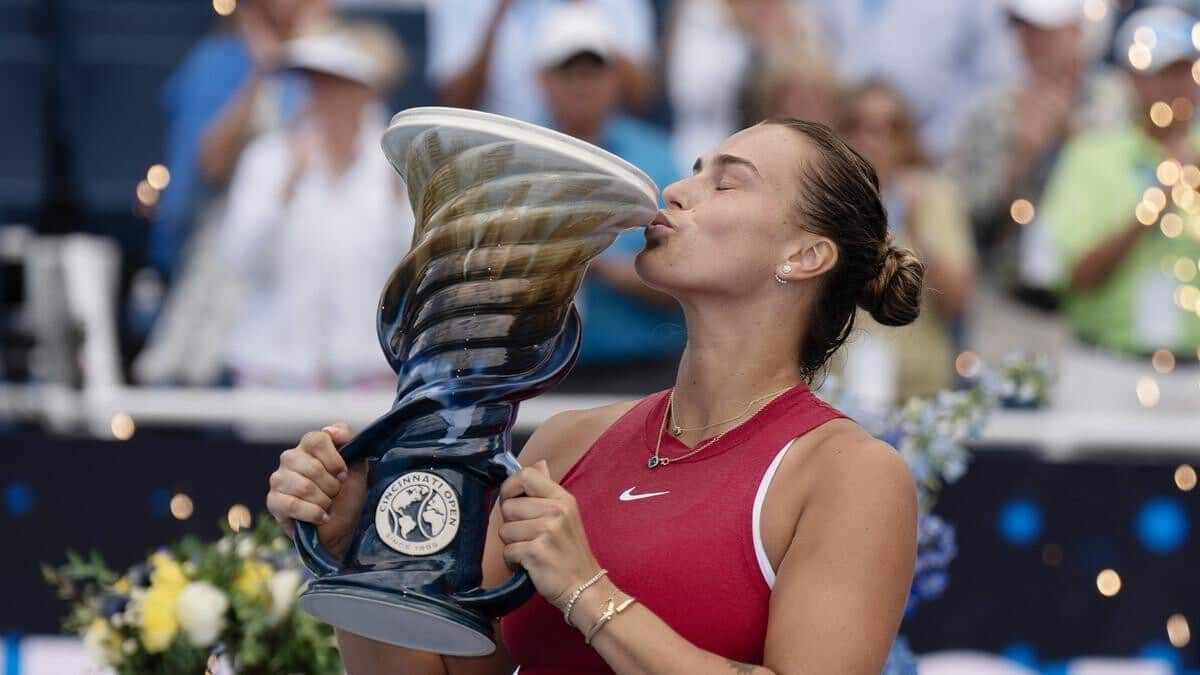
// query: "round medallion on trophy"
[[418, 514]]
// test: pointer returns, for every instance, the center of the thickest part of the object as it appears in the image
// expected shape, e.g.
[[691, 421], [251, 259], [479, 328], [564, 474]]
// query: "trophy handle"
[[498, 601], [316, 558]]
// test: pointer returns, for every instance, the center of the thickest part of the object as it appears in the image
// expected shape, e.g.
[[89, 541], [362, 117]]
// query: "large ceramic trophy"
[[476, 318]]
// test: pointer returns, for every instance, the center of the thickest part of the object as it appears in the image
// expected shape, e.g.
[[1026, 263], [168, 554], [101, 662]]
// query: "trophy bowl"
[[477, 317]]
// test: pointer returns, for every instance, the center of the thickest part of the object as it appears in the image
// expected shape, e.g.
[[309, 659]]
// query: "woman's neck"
[[734, 355]]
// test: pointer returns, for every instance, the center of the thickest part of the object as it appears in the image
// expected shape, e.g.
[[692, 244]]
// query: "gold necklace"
[[657, 460], [677, 430]]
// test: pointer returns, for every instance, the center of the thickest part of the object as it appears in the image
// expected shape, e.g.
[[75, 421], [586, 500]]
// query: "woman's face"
[[726, 228], [873, 129]]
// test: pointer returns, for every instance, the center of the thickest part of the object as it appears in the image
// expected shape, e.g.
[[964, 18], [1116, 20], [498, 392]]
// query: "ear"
[[816, 257]]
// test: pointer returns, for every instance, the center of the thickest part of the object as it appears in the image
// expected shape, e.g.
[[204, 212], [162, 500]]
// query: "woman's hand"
[[314, 485], [543, 533]]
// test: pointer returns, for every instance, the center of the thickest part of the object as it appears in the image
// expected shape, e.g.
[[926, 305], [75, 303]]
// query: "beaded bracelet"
[[609, 612], [578, 592]]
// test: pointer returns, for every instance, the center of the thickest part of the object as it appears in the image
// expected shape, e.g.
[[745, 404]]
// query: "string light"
[[1147, 392], [968, 364], [1163, 361], [122, 427], [224, 7], [1185, 477], [1108, 582], [1172, 225], [158, 177], [181, 506], [238, 517], [1178, 631], [1022, 211], [1095, 10], [1161, 114]]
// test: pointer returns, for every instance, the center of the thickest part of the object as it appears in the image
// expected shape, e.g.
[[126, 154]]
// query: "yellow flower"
[[102, 643], [123, 586], [159, 623], [252, 580]]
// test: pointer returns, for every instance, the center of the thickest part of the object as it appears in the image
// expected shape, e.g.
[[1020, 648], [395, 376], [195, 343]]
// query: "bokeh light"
[[1095, 10], [1108, 582], [1146, 213], [122, 427], [1163, 361], [1139, 57], [1161, 114], [1022, 211], [1182, 108], [968, 364], [1184, 269], [1187, 297], [1155, 197], [1172, 225], [1169, 172], [1145, 35], [182, 506], [1162, 525], [1183, 196], [1147, 392], [1185, 477], [224, 7], [1020, 522], [146, 194], [158, 177], [1178, 631], [238, 517]]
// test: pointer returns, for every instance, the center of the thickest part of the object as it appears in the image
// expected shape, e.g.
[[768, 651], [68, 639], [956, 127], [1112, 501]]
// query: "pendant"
[[653, 462], [676, 431]]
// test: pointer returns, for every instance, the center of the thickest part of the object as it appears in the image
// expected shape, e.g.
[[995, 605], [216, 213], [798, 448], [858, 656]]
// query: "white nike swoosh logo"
[[628, 496]]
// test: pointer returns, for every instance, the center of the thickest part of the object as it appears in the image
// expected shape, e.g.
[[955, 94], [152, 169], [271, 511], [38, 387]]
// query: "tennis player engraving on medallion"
[[418, 514], [477, 317]]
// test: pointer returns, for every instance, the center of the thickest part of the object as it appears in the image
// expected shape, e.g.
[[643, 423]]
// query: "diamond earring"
[[787, 269]]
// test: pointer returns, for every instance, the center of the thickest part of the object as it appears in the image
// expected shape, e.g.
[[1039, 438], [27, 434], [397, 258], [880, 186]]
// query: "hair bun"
[[893, 297]]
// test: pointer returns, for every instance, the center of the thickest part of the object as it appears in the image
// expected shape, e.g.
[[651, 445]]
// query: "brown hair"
[[905, 127], [840, 200]]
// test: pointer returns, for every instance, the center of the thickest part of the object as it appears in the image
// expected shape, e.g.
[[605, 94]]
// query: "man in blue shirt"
[[632, 334]]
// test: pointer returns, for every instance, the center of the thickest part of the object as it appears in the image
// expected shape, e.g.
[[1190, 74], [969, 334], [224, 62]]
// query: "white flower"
[[129, 647], [201, 612], [245, 547], [225, 546], [283, 585], [102, 643]]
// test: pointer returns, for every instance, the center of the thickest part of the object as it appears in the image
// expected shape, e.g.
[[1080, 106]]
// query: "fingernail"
[[330, 429], [343, 476], [324, 518]]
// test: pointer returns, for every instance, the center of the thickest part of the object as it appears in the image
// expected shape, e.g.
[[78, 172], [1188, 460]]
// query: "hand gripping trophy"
[[475, 319]]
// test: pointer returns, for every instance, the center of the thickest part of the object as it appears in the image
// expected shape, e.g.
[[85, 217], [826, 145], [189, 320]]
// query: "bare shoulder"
[[563, 438], [854, 465]]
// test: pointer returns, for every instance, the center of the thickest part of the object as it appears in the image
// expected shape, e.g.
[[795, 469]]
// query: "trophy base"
[[408, 620]]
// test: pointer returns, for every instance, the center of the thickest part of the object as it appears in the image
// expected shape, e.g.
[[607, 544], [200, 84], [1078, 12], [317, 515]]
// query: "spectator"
[[632, 334], [886, 366], [317, 220], [939, 54], [798, 87], [1011, 140], [225, 91], [715, 48], [1117, 284], [479, 54]]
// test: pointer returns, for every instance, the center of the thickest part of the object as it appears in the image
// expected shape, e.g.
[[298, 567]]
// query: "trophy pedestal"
[[410, 620]]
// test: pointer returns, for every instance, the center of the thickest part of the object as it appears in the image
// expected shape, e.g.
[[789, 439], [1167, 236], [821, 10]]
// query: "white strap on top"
[[764, 564]]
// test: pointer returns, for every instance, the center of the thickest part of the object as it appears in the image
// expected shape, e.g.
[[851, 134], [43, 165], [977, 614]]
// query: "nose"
[[675, 195]]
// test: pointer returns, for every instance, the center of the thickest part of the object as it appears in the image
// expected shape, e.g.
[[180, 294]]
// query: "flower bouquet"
[[199, 608]]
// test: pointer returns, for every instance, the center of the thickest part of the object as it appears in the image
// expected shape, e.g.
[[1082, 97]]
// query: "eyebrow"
[[726, 160]]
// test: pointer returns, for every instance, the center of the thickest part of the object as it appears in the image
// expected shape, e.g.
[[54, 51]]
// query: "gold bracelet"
[[578, 592], [609, 612]]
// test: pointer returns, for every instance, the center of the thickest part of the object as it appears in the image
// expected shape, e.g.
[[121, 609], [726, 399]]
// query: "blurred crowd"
[[1039, 155]]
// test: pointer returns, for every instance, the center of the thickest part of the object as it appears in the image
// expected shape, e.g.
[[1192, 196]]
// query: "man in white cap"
[[1125, 221], [1011, 139], [317, 219], [628, 327]]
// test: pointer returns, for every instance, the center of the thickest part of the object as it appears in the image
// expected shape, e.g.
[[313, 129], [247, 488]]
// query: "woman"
[[924, 212], [741, 545]]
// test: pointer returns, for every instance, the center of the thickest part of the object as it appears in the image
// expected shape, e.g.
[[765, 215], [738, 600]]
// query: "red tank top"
[[691, 554]]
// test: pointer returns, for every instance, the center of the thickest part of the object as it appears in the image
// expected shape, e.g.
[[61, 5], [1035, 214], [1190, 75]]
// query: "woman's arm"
[[839, 594]]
